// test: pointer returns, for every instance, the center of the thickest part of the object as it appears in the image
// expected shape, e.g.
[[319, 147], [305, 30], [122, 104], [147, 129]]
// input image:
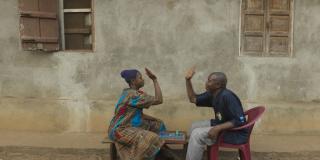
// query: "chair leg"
[[241, 155], [113, 151], [245, 153], [213, 152]]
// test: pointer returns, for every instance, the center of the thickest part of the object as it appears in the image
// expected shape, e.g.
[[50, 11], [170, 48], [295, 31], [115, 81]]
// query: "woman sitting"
[[136, 134]]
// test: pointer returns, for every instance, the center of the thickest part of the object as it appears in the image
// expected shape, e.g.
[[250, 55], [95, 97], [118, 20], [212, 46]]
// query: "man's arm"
[[234, 108], [215, 130], [190, 91]]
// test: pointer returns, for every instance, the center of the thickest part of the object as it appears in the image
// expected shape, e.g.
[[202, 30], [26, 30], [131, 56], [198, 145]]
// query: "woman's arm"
[[157, 90]]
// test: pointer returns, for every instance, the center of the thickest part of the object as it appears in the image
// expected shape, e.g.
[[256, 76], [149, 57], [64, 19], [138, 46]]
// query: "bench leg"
[[113, 151], [185, 149]]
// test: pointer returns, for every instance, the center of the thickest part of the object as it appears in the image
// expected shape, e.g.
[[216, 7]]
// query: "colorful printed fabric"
[[135, 134]]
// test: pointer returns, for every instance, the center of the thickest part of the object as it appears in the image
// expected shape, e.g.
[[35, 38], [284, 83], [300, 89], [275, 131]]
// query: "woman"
[[136, 134]]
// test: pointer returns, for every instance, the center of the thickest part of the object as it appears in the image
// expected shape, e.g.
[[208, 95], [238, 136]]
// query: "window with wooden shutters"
[[266, 27], [39, 28]]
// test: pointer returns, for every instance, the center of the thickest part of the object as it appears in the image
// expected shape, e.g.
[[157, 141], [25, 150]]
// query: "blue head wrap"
[[129, 74]]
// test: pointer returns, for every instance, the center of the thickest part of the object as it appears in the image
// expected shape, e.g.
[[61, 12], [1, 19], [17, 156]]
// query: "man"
[[228, 114]]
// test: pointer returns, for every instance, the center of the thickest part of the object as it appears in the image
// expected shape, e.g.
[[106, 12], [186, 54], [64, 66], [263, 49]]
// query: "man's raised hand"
[[190, 73]]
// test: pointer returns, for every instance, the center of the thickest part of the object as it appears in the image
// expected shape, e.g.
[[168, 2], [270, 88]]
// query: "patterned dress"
[[134, 133]]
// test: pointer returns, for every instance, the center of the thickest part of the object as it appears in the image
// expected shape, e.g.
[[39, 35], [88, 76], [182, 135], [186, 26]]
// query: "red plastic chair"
[[244, 149]]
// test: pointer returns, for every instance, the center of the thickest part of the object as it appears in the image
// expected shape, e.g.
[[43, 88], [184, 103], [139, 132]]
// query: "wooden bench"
[[113, 149]]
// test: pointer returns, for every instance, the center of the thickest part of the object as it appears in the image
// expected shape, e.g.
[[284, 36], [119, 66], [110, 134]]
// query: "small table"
[[175, 137]]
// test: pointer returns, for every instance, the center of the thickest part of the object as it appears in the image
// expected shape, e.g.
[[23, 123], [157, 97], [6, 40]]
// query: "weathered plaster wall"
[[76, 91]]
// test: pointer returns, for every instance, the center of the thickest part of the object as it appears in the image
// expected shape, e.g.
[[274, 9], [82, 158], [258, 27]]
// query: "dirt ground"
[[36, 153], [76, 146]]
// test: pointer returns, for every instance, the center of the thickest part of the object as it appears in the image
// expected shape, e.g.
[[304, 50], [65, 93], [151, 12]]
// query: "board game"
[[173, 136]]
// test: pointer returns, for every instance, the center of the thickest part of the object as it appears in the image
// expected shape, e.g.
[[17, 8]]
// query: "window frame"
[[267, 32], [62, 28]]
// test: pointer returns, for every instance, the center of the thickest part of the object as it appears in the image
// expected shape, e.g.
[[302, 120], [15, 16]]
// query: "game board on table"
[[173, 136]]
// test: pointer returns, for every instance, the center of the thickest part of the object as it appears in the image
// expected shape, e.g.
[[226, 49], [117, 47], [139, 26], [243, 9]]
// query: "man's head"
[[133, 77], [216, 81]]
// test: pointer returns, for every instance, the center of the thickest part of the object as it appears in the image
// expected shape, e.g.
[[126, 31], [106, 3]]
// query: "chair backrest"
[[253, 115]]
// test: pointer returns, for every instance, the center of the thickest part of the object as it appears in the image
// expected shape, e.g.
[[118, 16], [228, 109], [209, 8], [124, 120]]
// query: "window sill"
[[78, 50]]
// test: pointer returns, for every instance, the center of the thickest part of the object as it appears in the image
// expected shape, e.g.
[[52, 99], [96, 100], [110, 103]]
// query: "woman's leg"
[[137, 143], [152, 124]]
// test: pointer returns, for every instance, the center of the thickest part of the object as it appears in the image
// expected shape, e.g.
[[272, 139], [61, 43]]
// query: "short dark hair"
[[221, 77]]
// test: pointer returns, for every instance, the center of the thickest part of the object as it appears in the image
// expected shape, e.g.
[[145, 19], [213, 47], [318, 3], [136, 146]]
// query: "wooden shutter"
[[253, 29], [266, 27], [279, 27], [39, 28]]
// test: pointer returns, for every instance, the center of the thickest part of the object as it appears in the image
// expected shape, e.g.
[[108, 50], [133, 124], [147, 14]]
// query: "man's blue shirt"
[[227, 107]]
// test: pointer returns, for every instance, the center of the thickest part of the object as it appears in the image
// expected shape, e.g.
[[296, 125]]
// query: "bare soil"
[[36, 153], [80, 146]]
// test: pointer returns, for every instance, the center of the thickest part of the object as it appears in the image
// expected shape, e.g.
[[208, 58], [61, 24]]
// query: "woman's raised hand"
[[150, 74]]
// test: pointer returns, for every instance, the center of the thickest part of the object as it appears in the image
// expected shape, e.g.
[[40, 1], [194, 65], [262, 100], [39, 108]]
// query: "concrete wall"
[[76, 91]]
